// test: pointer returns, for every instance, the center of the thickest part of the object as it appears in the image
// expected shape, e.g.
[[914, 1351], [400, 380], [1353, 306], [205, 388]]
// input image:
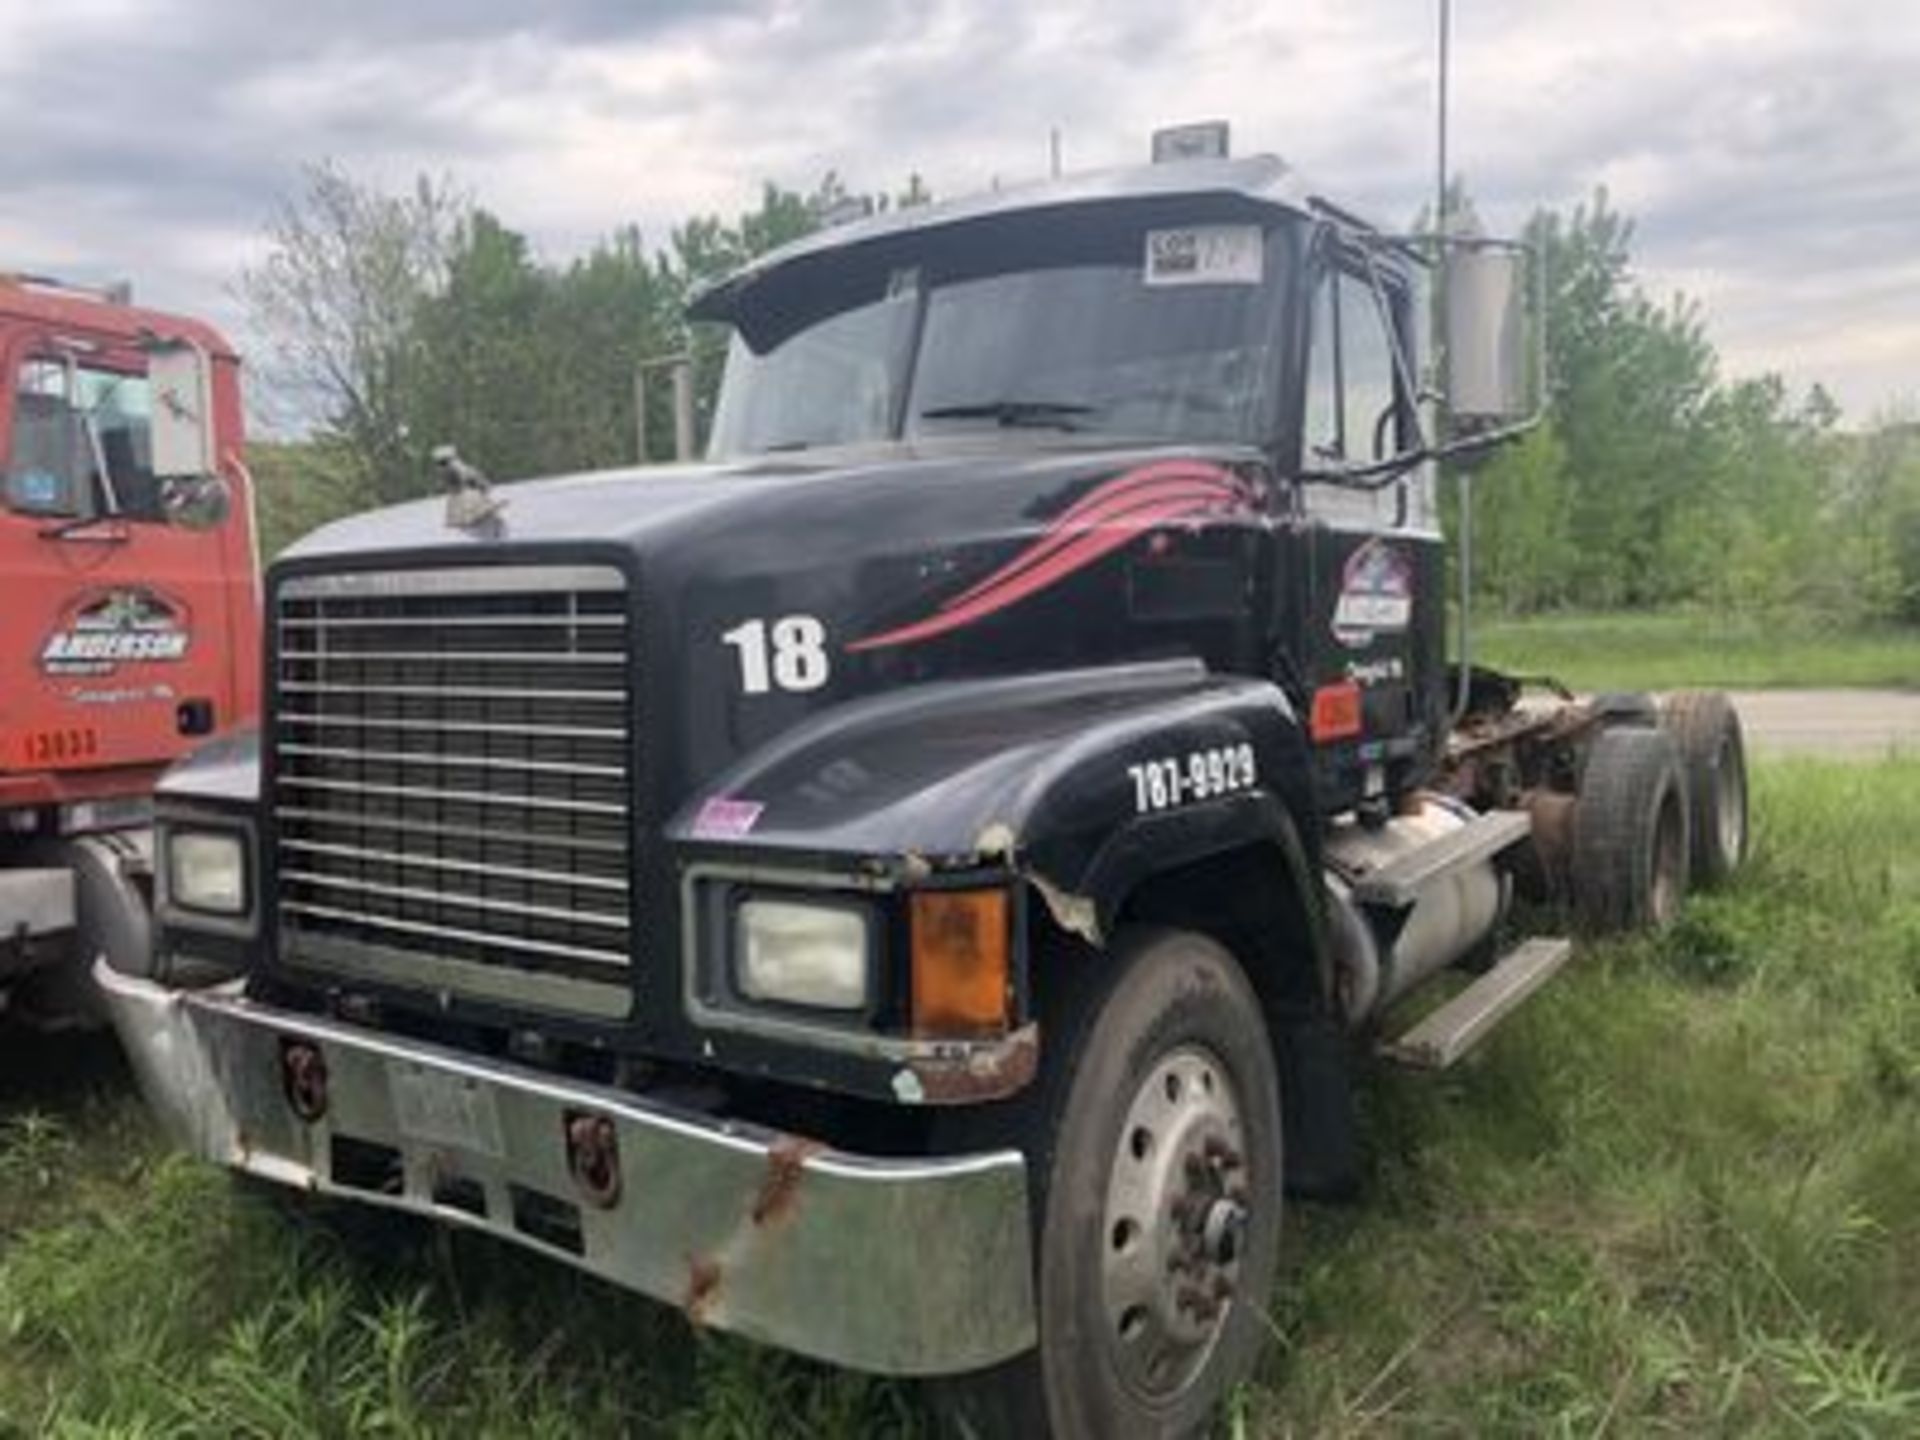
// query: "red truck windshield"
[[81, 443], [1162, 333]]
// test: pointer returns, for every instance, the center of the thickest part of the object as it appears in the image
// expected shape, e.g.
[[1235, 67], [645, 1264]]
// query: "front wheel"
[[1153, 1145]]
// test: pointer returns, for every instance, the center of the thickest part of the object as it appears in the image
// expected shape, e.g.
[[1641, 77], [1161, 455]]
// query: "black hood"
[[645, 504], [1001, 554]]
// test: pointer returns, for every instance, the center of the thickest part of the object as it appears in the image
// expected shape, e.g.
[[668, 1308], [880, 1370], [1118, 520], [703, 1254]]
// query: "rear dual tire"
[[1713, 755], [1631, 832]]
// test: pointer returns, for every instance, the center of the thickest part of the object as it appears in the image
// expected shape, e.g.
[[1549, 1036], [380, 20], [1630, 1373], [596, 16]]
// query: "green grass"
[[1668, 651], [1678, 1194]]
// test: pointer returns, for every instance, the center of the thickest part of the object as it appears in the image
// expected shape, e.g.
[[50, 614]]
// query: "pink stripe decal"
[[1107, 501], [1103, 520]]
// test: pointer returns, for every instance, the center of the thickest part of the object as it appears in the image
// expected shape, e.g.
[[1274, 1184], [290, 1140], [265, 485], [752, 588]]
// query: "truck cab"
[[1208, 319], [888, 889], [130, 632]]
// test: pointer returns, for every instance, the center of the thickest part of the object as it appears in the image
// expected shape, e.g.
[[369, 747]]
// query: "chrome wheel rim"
[[1731, 813], [1175, 1221], [1669, 864]]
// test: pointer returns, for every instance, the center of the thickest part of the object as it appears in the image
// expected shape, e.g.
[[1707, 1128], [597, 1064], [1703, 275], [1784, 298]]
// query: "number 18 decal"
[[785, 654]]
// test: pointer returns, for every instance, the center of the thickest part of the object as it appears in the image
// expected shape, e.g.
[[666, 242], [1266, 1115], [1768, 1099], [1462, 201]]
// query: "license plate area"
[[434, 1107]]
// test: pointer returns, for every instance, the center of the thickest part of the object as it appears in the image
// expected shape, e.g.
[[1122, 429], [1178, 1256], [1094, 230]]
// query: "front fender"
[[1040, 773], [224, 772]]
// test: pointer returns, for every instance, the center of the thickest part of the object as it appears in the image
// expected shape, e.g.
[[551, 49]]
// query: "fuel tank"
[[1380, 956]]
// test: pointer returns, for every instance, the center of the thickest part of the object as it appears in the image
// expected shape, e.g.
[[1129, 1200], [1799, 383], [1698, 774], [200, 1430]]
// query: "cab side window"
[[48, 472], [1355, 408], [82, 443], [1366, 366], [1321, 428]]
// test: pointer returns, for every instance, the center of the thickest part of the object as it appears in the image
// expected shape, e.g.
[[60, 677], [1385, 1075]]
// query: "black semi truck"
[[910, 890]]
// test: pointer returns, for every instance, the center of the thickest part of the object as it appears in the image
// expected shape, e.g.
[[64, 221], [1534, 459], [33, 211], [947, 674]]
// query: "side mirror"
[[180, 375], [1492, 335], [200, 503], [679, 369]]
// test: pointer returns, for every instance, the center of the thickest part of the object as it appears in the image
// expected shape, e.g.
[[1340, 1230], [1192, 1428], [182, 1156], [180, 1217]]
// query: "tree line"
[[1656, 482], [396, 321]]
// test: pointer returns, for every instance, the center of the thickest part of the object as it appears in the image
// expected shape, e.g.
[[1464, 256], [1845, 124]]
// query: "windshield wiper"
[[1041, 414]]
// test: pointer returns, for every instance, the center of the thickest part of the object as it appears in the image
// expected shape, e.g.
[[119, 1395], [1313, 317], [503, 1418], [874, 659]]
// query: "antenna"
[[1053, 151], [1463, 476], [1440, 127]]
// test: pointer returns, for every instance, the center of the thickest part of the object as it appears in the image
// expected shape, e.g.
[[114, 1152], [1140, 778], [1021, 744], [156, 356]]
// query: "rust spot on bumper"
[[983, 1072], [786, 1168]]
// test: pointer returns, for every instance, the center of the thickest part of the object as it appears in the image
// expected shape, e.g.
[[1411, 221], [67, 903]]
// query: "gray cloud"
[[1770, 149]]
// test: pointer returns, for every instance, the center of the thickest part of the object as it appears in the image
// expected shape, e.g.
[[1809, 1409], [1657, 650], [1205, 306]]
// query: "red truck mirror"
[[185, 455], [181, 377]]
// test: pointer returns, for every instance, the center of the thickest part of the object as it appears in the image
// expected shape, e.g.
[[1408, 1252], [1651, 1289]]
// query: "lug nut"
[[1221, 1155]]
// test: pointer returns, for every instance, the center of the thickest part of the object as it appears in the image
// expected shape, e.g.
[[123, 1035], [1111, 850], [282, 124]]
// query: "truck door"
[[1373, 610], [114, 632]]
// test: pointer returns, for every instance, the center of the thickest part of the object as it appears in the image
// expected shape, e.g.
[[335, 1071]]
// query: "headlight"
[[798, 953], [207, 870]]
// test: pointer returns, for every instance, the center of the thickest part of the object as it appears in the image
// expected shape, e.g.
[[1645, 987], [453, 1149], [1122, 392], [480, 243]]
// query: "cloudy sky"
[[1770, 149]]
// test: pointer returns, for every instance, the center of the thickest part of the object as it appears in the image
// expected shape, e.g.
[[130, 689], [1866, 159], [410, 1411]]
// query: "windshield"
[[81, 443], [1126, 334]]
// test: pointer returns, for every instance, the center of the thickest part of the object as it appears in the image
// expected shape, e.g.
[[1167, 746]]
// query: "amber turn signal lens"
[[960, 963], [1336, 712]]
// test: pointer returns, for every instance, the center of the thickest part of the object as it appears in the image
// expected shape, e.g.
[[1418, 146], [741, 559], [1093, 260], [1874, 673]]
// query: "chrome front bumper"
[[902, 1267]]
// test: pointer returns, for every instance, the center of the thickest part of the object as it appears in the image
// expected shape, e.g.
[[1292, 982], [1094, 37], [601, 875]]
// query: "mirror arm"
[[1382, 473], [1376, 476], [1488, 439]]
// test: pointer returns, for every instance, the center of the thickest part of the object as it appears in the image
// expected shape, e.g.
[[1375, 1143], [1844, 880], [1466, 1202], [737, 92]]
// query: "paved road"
[[1838, 724]]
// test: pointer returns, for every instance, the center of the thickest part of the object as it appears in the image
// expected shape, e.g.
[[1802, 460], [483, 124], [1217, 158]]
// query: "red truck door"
[[123, 637]]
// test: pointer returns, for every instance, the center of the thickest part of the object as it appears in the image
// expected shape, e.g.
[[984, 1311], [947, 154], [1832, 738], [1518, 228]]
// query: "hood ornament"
[[471, 505]]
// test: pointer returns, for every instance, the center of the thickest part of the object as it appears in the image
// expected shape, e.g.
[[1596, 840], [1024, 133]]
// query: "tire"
[[1630, 833], [113, 920], [1713, 757], [1625, 707], [113, 911], [1162, 1090]]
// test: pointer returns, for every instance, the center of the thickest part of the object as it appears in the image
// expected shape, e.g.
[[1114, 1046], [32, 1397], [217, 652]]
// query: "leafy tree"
[[402, 321], [1629, 380], [1659, 483], [337, 300], [1523, 532]]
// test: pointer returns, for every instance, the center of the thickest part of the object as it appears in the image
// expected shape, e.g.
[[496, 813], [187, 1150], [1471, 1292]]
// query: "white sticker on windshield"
[[1204, 255]]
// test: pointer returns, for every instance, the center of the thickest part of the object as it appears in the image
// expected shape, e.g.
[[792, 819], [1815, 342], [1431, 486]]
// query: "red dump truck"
[[129, 614]]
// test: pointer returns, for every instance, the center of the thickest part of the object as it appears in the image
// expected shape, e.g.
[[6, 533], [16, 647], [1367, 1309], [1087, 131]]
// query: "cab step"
[[1469, 1017], [1398, 884]]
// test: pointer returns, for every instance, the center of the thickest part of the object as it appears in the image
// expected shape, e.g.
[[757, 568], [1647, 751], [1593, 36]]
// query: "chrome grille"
[[452, 781]]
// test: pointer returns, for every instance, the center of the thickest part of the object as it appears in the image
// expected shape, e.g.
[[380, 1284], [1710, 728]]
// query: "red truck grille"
[[452, 782]]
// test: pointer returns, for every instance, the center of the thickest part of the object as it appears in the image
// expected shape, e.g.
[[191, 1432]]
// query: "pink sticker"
[[724, 818]]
